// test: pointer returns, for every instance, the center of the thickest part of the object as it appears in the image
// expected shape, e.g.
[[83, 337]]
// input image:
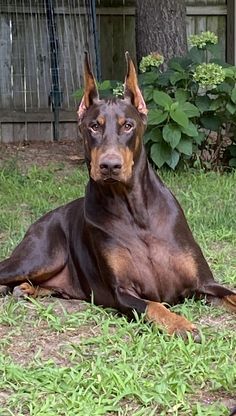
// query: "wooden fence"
[[117, 30], [25, 66], [25, 79]]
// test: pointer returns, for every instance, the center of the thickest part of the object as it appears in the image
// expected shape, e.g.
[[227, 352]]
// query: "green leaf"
[[156, 116], [177, 76], [231, 107], [154, 135], [164, 79], [175, 64], [105, 85], [174, 105], [216, 104], [233, 95], [190, 130], [200, 137], [230, 72], [181, 95], [162, 99], [179, 117], [232, 162], [171, 134], [211, 123], [190, 109], [197, 55], [78, 94], [160, 153], [147, 93], [185, 146], [214, 49], [179, 63], [232, 149], [174, 159], [203, 103], [224, 87], [148, 78]]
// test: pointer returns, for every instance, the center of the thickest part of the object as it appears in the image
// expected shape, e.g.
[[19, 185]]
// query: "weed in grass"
[[11, 312]]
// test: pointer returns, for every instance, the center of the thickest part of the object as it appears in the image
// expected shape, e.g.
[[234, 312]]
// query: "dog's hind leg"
[[38, 259], [219, 295]]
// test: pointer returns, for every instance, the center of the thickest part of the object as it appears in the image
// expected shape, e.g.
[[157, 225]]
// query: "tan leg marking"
[[26, 289], [119, 260], [171, 322], [229, 302], [185, 264]]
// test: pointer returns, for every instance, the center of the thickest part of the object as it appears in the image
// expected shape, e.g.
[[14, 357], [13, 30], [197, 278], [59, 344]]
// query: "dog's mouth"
[[110, 180]]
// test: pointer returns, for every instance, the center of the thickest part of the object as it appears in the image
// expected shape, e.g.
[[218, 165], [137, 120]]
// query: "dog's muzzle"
[[110, 166]]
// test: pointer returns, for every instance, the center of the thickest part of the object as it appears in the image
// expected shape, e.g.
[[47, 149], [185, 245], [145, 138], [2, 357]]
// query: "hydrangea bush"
[[154, 60], [209, 75], [204, 39], [192, 106], [191, 101]]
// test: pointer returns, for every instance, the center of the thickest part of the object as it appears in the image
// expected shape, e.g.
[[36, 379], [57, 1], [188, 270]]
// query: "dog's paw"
[[180, 326], [230, 302], [172, 323], [23, 291]]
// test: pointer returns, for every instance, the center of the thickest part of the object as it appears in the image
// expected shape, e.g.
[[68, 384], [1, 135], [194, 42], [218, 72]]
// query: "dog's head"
[[112, 129]]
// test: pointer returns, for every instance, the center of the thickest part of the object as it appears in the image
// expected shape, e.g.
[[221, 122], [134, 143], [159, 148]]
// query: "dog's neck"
[[117, 199]]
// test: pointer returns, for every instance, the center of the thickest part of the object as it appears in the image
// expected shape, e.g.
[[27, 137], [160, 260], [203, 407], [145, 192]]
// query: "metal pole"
[[95, 37], [55, 96]]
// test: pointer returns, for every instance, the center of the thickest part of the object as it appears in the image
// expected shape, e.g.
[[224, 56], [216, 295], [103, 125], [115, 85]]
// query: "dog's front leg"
[[155, 312]]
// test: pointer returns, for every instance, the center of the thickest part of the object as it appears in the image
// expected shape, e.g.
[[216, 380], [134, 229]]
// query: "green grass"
[[73, 359]]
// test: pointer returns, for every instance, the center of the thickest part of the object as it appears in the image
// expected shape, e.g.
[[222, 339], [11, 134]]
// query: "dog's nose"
[[110, 165]]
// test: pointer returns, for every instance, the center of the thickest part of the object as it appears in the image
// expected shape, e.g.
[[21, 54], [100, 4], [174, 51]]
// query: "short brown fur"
[[127, 243]]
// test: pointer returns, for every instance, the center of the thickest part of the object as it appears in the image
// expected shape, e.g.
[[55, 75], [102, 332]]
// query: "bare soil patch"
[[69, 153], [35, 338]]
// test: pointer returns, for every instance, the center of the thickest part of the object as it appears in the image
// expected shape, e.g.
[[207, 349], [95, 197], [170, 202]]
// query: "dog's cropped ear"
[[131, 90], [90, 89]]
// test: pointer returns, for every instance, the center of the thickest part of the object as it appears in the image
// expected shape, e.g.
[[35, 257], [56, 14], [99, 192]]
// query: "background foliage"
[[192, 106]]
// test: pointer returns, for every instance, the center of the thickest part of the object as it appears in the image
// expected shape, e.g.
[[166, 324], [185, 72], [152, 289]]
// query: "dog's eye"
[[128, 126], [94, 127]]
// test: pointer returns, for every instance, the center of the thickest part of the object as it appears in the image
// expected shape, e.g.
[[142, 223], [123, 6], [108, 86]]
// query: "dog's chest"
[[153, 266]]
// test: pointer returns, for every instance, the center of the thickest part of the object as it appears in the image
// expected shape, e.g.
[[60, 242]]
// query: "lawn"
[[73, 359]]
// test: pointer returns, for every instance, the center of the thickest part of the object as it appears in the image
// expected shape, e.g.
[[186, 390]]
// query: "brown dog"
[[127, 241]]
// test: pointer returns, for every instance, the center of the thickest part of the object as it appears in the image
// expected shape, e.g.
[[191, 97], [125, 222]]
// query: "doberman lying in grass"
[[127, 242]]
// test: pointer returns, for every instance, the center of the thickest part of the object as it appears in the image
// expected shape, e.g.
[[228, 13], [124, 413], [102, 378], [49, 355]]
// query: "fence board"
[[68, 131], [18, 62], [30, 62], [218, 24], [129, 35], [118, 51], [7, 132], [205, 2], [5, 63], [190, 25], [106, 46], [25, 79], [33, 131], [45, 132], [42, 61], [200, 24], [19, 132]]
